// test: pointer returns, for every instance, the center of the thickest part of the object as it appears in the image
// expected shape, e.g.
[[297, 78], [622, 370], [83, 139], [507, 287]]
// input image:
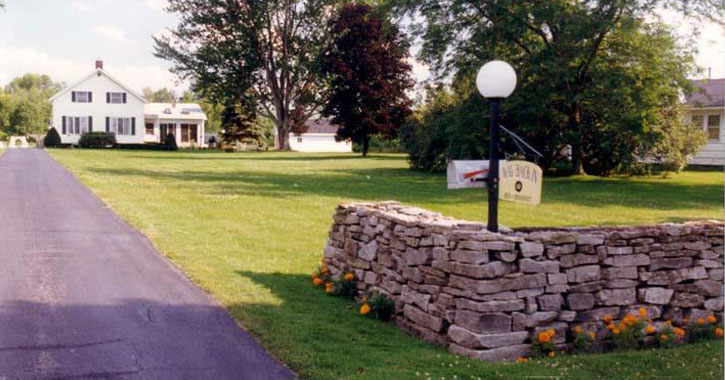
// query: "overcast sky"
[[63, 38]]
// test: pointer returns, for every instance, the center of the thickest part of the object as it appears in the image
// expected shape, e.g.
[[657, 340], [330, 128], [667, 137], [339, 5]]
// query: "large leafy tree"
[[261, 53], [368, 75], [27, 102], [560, 49]]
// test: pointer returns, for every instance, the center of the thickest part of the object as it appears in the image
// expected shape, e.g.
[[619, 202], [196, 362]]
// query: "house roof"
[[99, 72], [178, 111], [708, 93], [321, 126]]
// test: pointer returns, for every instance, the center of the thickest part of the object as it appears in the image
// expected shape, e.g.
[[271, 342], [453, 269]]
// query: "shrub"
[[378, 306], [97, 140], [582, 339], [544, 344], [52, 138], [346, 286], [170, 142]]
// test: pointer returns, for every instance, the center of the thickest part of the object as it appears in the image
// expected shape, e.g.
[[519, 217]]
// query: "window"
[[696, 121], [167, 128], [82, 97], [150, 129], [77, 125], [188, 132], [116, 97], [299, 139], [713, 127], [121, 126]]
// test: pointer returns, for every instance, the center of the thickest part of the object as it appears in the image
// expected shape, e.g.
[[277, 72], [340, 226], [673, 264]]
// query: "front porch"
[[188, 134]]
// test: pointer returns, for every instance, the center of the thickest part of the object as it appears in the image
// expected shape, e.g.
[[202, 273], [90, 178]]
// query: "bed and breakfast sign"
[[520, 181]]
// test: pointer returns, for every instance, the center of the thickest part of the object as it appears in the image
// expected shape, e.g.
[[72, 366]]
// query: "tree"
[[31, 110], [162, 95], [261, 53], [368, 75], [240, 125], [560, 49]]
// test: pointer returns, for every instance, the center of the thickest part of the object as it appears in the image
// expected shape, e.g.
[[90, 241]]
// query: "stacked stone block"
[[486, 295]]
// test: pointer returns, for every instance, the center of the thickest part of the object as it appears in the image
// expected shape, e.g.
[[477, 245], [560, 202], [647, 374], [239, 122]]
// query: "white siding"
[[98, 109], [318, 142], [713, 153]]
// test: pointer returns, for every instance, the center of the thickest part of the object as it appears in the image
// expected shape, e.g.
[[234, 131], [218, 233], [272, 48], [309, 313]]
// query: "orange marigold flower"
[[544, 337], [650, 329], [668, 322], [679, 332], [718, 332], [317, 281], [664, 337], [349, 277], [551, 354], [364, 309], [592, 335], [607, 319], [630, 319], [712, 319], [325, 270], [615, 331], [611, 327], [577, 330], [551, 332], [642, 312], [700, 321], [521, 359], [329, 287], [622, 326]]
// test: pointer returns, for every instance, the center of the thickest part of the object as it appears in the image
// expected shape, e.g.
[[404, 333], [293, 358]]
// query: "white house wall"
[[713, 153], [320, 143], [98, 109]]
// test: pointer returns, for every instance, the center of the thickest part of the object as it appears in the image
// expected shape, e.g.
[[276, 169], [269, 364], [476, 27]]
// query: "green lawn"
[[250, 227]]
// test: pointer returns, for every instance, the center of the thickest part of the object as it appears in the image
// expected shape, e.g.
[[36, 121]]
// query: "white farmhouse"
[[319, 138], [100, 102], [705, 109]]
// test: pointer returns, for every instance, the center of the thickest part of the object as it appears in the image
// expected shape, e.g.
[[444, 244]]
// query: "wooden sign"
[[520, 181]]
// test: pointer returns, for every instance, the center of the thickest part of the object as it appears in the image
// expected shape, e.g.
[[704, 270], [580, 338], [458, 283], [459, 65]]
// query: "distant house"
[[320, 138], [100, 102], [705, 109]]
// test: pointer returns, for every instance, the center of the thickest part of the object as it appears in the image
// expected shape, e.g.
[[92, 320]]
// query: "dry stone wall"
[[486, 295]]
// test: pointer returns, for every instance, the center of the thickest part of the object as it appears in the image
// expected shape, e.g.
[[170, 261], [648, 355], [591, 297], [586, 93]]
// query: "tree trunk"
[[366, 145], [282, 139], [576, 145]]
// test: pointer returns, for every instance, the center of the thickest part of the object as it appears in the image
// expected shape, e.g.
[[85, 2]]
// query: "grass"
[[250, 227]]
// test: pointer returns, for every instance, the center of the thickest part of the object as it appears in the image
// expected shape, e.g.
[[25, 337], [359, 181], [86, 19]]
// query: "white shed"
[[319, 138]]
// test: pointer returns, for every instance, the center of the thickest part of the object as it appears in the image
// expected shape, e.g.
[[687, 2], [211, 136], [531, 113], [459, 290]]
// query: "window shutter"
[[90, 97], [108, 124], [73, 96], [90, 123], [124, 98], [108, 97], [63, 124], [133, 122]]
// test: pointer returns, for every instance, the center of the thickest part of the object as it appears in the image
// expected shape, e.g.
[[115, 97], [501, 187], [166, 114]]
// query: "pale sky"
[[63, 38]]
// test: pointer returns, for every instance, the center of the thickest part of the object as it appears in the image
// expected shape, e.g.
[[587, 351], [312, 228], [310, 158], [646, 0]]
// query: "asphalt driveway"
[[85, 296]]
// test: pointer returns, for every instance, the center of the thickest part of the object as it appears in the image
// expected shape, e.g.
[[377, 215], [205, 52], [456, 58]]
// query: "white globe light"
[[496, 79]]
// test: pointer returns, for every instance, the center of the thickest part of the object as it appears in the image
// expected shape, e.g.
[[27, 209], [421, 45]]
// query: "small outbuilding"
[[321, 137]]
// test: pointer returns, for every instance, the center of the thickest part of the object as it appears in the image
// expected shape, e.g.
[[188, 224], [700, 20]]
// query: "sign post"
[[496, 80]]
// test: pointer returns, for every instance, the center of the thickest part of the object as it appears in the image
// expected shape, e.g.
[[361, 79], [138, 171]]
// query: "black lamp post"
[[496, 80]]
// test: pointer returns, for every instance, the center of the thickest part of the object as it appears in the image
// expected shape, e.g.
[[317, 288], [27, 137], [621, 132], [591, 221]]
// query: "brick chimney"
[[99, 64]]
